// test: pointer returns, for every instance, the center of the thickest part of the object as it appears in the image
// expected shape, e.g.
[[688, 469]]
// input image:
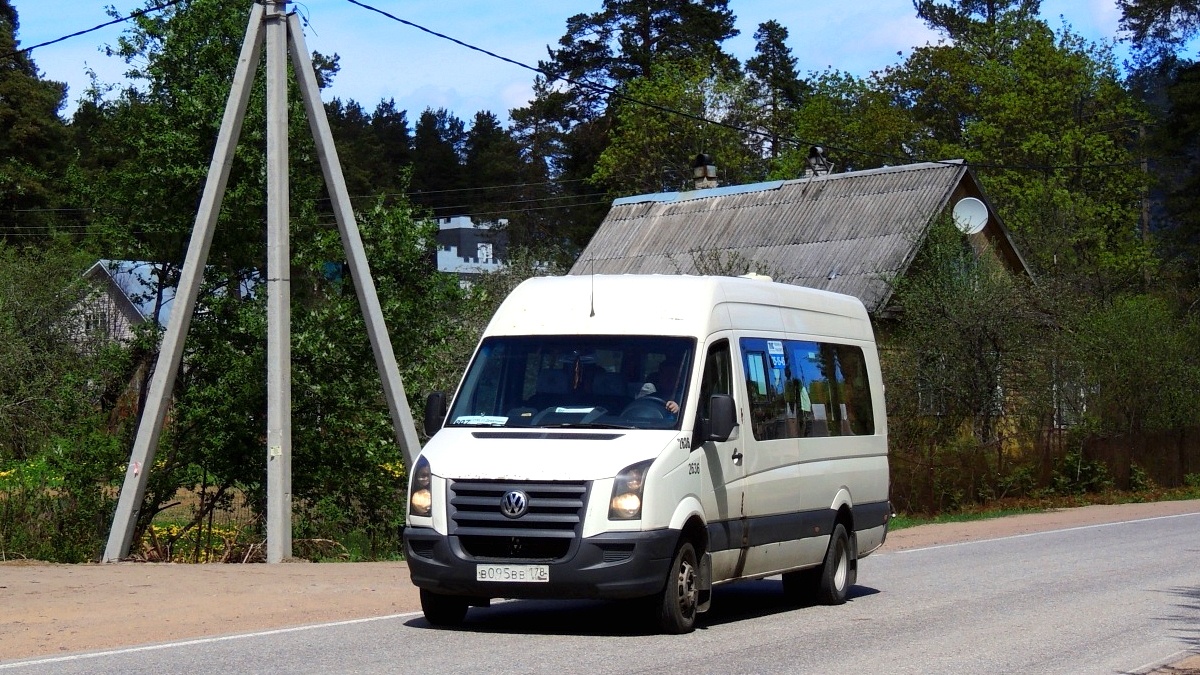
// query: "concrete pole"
[[120, 538], [282, 34], [279, 312], [360, 272]]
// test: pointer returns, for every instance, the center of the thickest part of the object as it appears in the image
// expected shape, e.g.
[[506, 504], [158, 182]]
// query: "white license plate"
[[517, 573]]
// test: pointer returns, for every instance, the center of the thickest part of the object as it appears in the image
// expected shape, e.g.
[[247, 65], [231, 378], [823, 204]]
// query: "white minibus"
[[649, 437]]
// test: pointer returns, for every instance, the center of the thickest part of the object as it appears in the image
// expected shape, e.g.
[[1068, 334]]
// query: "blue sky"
[[383, 59]]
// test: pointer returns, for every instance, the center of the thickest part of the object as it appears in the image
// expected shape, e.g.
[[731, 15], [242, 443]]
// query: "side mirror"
[[435, 412], [721, 422]]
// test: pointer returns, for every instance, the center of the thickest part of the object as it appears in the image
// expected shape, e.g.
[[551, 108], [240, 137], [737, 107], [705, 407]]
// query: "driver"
[[663, 384]]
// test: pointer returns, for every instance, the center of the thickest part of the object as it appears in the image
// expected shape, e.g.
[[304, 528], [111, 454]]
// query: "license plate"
[[517, 573]]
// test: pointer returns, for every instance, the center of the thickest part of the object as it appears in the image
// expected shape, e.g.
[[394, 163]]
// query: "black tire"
[[680, 598], [834, 581], [443, 610]]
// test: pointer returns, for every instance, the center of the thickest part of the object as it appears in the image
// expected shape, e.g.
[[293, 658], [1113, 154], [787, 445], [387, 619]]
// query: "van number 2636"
[[693, 468]]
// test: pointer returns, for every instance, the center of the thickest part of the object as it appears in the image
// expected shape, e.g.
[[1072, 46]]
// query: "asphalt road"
[[1114, 598]]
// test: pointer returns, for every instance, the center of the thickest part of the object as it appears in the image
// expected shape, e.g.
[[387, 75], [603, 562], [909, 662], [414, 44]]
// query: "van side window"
[[806, 389], [856, 392], [718, 375]]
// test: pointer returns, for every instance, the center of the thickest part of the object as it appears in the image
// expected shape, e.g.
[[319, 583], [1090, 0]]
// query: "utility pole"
[[283, 36]]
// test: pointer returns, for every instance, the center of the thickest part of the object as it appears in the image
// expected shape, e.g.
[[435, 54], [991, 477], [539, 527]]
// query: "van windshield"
[[588, 381]]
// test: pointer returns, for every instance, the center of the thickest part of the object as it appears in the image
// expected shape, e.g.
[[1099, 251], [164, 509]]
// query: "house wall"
[[100, 319]]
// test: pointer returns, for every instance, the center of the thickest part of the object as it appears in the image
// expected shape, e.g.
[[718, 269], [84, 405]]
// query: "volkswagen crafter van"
[[648, 437]]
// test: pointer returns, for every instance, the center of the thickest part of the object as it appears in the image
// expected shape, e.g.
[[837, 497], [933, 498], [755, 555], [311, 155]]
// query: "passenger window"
[[806, 389]]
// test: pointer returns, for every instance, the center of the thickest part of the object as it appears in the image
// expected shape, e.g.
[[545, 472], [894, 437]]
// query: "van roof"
[[669, 305]]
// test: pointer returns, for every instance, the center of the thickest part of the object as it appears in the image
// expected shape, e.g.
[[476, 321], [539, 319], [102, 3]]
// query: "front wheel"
[[680, 599], [443, 610]]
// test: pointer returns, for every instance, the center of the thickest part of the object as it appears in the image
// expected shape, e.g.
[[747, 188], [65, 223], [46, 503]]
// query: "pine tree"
[[32, 138], [437, 162], [776, 88]]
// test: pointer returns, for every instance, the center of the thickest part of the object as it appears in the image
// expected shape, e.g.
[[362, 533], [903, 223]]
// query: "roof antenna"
[[592, 298]]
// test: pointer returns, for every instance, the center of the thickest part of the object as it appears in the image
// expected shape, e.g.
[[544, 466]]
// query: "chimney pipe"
[[704, 172]]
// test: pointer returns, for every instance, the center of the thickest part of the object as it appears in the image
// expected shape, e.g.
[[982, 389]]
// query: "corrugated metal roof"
[[850, 233]]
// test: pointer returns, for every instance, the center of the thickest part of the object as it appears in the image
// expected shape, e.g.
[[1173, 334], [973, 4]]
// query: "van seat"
[[609, 384], [552, 382]]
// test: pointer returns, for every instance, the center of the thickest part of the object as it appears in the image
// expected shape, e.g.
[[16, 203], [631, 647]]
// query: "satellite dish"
[[970, 215]]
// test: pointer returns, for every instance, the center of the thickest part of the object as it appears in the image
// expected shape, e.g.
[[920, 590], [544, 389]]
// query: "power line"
[[699, 118], [419, 193], [131, 15], [600, 89], [516, 204]]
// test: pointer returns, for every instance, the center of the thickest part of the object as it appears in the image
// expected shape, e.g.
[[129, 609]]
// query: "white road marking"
[[1035, 534], [201, 641]]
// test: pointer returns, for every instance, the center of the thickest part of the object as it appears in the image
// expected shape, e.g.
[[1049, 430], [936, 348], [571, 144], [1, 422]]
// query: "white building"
[[467, 248]]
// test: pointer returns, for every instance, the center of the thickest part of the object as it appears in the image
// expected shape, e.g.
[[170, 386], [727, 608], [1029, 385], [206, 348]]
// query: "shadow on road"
[[1186, 623], [736, 602]]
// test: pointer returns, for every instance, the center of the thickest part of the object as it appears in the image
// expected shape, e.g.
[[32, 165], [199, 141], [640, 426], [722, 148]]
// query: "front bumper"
[[611, 565]]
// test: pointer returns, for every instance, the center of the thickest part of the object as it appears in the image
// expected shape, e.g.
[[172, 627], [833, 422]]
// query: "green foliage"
[[1052, 133], [649, 153], [1142, 364], [1160, 22], [855, 119], [1074, 475], [57, 506], [438, 140], [344, 450], [1139, 480], [776, 88], [627, 39], [347, 470], [1175, 146], [32, 140], [969, 335]]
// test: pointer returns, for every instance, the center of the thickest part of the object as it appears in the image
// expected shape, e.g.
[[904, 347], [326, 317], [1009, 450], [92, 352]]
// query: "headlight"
[[626, 502], [420, 499]]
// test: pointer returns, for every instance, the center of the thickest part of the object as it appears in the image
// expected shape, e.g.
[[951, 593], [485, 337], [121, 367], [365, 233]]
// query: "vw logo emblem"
[[514, 503]]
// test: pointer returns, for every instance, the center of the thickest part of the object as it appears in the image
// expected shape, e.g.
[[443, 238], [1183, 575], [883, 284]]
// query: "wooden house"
[[852, 233]]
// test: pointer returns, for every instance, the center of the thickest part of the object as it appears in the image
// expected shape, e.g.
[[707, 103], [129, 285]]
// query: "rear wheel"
[[443, 610], [680, 598], [828, 583], [834, 580]]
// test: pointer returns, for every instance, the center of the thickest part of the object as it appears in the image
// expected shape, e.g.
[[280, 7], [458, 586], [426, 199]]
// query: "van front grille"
[[545, 531]]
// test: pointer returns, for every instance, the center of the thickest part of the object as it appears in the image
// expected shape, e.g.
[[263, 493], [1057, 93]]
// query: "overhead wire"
[[610, 91], [131, 15]]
